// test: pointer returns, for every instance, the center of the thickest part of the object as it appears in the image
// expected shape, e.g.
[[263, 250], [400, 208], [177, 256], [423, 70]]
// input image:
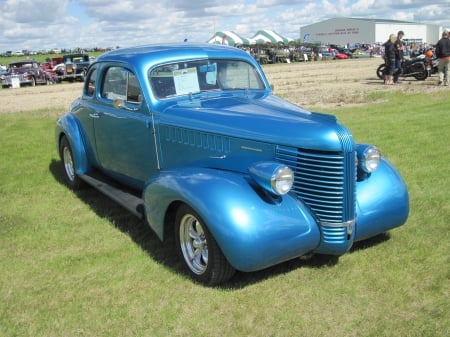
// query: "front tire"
[[66, 155], [198, 250], [380, 71], [83, 75]]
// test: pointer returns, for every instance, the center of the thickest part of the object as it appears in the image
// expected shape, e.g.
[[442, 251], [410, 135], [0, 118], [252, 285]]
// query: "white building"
[[343, 31]]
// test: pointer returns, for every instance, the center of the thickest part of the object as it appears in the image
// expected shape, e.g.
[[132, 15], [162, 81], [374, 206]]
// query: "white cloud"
[[39, 24]]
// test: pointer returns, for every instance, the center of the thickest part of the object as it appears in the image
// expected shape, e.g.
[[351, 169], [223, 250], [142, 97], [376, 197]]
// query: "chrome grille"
[[324, 180]]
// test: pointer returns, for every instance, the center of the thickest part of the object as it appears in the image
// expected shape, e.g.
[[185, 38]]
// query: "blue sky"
[[45, 24]]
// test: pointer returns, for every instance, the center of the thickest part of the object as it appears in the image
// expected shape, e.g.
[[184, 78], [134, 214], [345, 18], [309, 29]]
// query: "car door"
[[123, 128], [39, 73]]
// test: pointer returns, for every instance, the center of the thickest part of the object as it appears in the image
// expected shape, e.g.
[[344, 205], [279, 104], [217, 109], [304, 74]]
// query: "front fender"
[[252, 231], [382, 202], [68, 126]]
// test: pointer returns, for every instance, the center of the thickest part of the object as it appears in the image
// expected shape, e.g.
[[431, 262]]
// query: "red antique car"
[[50, 66], [24, 72]]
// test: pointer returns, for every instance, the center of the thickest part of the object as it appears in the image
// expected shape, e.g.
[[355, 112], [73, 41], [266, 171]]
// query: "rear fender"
[[253, 232], [68, 126], [382, 202]]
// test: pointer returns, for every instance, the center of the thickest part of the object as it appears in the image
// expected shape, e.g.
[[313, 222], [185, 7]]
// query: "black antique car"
[[73, 67]]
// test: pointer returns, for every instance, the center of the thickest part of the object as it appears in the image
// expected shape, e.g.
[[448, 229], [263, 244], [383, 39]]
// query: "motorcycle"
[[414, 67], [431, 64]]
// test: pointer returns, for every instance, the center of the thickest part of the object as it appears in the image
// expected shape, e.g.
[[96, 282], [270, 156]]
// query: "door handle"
[[95, 114]]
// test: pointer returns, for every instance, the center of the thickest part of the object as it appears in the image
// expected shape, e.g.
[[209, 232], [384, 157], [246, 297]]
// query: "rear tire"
[[198, 250], [66, 155], [422, 76]]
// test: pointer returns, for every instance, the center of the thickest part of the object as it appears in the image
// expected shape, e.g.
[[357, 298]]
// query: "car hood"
[[264, 118]]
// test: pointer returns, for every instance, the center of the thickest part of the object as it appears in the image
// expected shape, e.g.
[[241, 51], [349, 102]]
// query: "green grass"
[[75, 264]]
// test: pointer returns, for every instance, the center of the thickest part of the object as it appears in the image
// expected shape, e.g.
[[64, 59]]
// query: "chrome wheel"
[[193, 244], [199, 250], [65, 152], [68, 164]]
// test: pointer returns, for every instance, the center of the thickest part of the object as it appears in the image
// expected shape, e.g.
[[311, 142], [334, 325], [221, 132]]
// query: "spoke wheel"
[[193, 244], [198, 250]]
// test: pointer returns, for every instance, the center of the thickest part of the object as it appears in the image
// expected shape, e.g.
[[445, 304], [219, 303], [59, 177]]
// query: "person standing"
[[443, 54], [399, 51], [389, 60]]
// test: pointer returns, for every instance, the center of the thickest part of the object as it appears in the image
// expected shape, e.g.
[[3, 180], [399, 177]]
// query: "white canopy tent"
[[269, 36], [230, 38]]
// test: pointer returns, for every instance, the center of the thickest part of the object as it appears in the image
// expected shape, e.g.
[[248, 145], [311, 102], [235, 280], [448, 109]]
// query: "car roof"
[[160, 53], [23, 62]]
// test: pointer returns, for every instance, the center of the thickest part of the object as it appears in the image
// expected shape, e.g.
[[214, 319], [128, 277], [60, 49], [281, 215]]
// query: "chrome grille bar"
[[325, 181]]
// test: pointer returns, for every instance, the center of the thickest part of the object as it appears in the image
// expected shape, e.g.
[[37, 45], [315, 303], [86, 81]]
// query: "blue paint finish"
[[252, 232], [68, 125], [382, 202], [195, 146]]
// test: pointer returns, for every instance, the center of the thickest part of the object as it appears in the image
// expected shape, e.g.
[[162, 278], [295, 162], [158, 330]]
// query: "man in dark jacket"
[[399, 50], [443, 54]]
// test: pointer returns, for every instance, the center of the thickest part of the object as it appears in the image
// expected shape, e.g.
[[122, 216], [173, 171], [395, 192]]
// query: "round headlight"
[[370, 159], [282, 180], [273, 177]]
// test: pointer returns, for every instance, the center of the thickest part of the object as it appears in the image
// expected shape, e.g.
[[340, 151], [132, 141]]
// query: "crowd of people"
[[394, 51]]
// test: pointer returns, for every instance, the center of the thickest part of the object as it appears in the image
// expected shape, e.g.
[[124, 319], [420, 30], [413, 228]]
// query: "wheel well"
[[61, 136], [169, 219]]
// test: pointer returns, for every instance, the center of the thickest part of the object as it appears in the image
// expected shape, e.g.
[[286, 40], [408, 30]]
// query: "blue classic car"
[[191, 137]]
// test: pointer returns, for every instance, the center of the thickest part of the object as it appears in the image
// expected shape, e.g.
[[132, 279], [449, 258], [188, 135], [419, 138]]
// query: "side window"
[[120, 83], [162, 81], [134, 94], [89, 86]]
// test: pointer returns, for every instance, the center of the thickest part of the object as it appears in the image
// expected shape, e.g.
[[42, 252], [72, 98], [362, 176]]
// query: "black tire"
[[198, 250], [380, 71], [66, 155], [421, 76], [33, 82]]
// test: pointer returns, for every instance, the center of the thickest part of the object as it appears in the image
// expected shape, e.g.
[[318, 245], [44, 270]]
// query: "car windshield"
[[192, 77]]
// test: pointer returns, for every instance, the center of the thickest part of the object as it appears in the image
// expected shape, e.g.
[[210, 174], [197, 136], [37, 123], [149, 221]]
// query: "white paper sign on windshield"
[[186, 81]]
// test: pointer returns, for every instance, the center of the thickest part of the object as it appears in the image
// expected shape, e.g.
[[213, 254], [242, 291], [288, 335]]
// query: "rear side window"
[[120, 83]]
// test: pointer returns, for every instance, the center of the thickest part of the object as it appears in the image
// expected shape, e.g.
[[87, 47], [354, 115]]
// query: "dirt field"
[[321, 84]]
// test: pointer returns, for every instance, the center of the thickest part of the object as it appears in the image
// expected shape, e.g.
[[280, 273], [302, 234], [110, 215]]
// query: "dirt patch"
[[321, 84], [337, 83], [41, 97]]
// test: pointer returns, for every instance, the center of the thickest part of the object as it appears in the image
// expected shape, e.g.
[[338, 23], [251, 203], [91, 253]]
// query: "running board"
[[126, 199]]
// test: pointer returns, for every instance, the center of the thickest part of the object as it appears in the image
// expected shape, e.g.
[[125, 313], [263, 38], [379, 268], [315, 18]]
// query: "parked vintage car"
[[191, 137], [50, 66], [27, 72], [73, 67]]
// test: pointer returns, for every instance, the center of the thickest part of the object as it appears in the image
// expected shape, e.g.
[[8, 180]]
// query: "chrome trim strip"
[[348, 224]]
